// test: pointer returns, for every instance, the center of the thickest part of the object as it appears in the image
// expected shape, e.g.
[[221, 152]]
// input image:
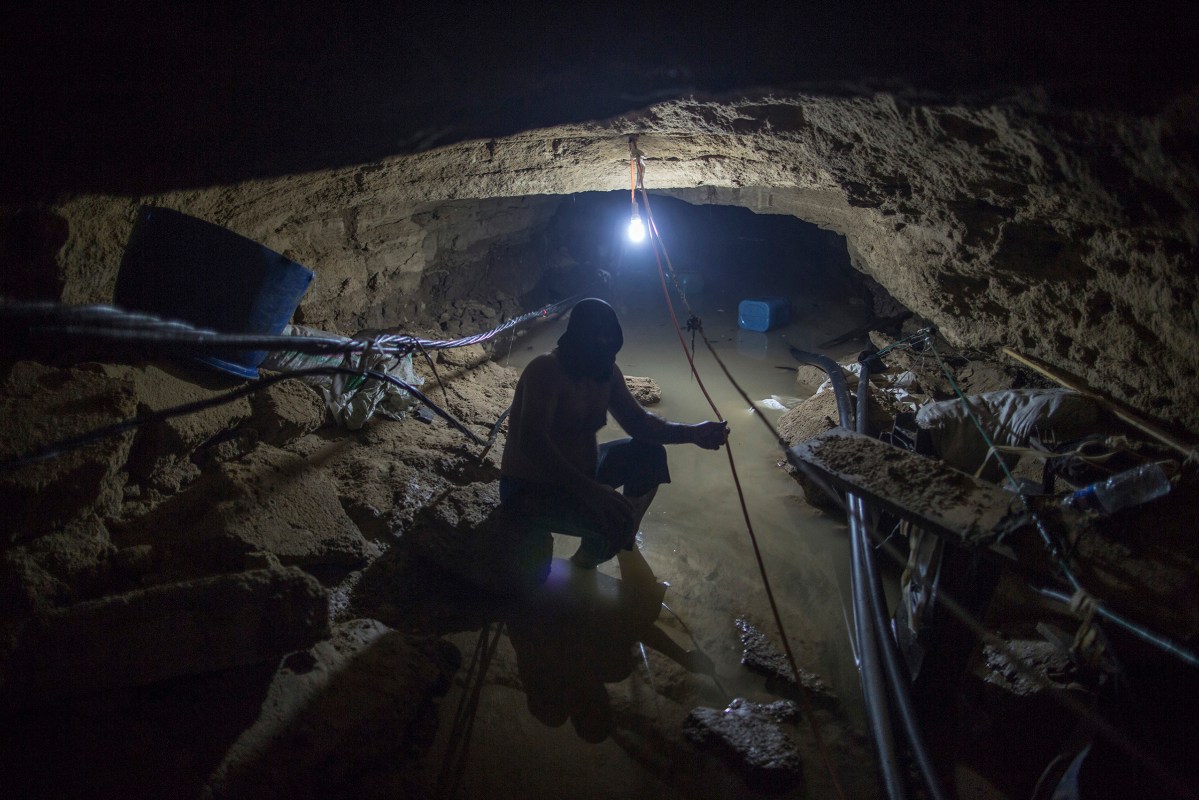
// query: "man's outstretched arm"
[[641, 424]]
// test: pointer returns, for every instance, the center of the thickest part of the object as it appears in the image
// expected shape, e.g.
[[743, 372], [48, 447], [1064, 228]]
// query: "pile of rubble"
[[1108, 491]]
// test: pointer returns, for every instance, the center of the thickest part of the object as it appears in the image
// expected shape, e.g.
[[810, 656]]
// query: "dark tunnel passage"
[[386, 527], [732, 250]]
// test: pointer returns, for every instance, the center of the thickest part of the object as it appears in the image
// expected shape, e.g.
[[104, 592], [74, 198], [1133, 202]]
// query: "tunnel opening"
[[733, 250], [480, 261], [577, 245]]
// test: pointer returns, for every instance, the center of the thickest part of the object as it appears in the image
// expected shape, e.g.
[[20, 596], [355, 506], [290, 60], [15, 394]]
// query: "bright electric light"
[[636, 229]]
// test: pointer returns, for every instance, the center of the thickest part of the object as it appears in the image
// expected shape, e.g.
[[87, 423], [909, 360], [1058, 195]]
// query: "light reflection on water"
[[694, 535]]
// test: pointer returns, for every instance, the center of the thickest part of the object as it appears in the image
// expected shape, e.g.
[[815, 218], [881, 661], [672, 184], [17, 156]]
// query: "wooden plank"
[[1189, 451], [922, 490]]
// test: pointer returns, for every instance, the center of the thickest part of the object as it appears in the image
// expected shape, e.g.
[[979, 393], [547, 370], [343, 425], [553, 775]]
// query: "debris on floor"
[[762, 656], [995, 480], [753, 738]]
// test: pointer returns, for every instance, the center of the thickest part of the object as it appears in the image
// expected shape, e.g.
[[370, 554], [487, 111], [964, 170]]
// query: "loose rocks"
[[750, 737]]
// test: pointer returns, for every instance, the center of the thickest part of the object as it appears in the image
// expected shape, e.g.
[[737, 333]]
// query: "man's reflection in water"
[[578, 632]]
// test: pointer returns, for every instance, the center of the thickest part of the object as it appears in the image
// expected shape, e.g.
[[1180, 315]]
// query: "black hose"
[[896, 674], [871, 624], [840, 388], [65, 445], [863, 426], [874, 688]]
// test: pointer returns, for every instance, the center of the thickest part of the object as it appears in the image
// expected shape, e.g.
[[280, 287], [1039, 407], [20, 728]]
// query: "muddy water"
[[694, 538]]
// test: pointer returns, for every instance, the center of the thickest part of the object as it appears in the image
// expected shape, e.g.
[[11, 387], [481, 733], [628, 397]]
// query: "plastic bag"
[[351, 399]]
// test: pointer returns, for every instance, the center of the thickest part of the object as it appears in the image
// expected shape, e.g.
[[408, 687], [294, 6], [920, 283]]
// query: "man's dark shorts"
[[638, 466]]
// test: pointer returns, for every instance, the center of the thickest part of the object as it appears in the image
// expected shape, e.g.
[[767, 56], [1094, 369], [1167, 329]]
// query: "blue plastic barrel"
[[184, 268], [763, 313]]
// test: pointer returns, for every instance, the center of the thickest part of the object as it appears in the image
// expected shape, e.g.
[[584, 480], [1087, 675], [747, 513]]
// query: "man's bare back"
[[568, 412]]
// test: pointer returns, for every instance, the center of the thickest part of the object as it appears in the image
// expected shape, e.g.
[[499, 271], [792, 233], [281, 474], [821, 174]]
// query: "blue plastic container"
[[763, 313], [184, 268]]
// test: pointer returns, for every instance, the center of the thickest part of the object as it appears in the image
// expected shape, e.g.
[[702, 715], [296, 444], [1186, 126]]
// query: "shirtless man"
[[553, 473]]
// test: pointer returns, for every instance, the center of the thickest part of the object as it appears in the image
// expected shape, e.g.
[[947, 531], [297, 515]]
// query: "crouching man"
[[553, 474]]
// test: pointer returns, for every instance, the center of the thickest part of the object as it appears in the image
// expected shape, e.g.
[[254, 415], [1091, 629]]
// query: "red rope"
[[806, 701]]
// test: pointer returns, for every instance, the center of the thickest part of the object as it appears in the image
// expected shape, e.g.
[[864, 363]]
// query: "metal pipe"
[[874, 687], [1132, 627]]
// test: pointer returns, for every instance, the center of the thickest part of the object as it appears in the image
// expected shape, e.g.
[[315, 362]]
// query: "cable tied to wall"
[[112, 324]]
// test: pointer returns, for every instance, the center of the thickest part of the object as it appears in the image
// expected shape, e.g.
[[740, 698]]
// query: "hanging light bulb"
[[636, 229]]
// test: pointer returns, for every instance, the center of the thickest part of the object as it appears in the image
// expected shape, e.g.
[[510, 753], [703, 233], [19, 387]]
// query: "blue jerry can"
[[763, 313]]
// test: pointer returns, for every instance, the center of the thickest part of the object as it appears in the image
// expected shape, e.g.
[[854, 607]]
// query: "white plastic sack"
[[899, 387], [1010, 418], [351, 399], [286, 361]]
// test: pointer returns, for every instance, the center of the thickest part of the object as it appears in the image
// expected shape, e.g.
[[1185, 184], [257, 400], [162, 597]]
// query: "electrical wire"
[[111, 323], [119, 325], [74, 442], [1148, 635]]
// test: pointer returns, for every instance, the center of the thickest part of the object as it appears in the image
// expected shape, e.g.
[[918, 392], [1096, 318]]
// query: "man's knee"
[[641, 502], [635, 464]]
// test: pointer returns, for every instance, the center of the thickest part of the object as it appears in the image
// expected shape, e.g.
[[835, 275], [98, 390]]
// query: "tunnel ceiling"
[[1011, 192], [137, 98]]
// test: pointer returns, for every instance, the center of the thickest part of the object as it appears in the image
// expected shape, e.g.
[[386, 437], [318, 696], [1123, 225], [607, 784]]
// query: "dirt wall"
[[1069, 235]]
